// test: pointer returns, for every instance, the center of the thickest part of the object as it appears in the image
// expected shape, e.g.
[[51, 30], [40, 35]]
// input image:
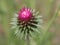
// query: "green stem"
[[28, 40], [49, 24]]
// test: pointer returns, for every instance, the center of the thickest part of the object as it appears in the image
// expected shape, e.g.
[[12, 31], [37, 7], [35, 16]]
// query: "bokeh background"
[[49, 9]]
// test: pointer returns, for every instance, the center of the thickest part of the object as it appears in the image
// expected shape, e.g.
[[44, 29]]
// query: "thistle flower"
[[26, 22]]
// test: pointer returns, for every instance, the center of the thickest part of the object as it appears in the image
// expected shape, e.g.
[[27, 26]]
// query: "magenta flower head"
[[25, 14], [27, 21]]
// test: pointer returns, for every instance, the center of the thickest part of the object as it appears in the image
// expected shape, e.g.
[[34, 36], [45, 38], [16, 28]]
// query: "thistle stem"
[[27, 39]]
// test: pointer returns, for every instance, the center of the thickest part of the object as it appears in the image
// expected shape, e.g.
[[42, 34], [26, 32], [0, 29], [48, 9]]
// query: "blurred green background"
[[49, 9]]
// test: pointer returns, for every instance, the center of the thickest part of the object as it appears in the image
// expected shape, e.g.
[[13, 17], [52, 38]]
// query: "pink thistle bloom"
[[25, 14], [27, 20]]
